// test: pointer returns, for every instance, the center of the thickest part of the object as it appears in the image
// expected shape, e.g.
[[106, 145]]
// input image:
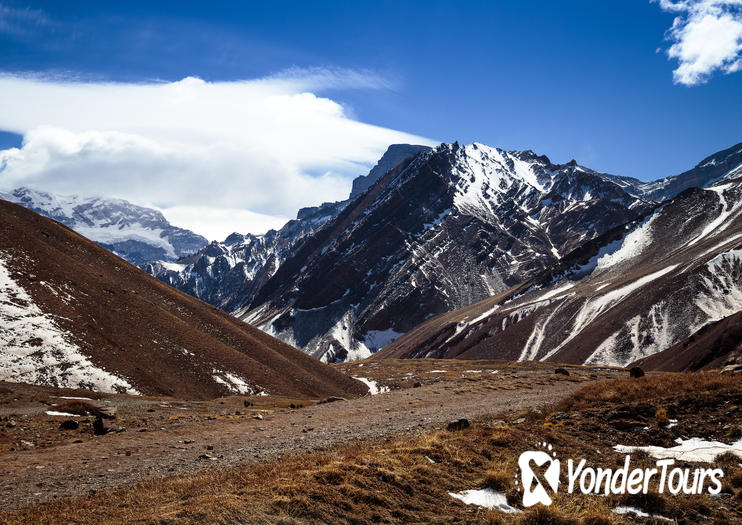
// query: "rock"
[[108, 412], [128, 453], [207, 456], [561, 371], [332, 399], [560, 415], [519, 421], [636, 372], [458, 424], [98, 428], [258, 416], [69, 424], [731, 369], [417, 384]]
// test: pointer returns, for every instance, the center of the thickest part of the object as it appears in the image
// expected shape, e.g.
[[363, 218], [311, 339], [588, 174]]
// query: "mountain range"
[[472, 251], [442, 229], [135, 233]]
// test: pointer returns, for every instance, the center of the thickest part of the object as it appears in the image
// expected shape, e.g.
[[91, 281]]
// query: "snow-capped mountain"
[[72, 314], [639, 290], [229, 274], [444, 229], [725, 164], [135, 233]]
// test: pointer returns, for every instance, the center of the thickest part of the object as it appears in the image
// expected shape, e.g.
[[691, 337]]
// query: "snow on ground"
[[62, 414], [625, 509], [693, 450], [486, 498], [114, 233], [721, 222], [556, 291], [233, 382], [485, 314], [173, 267], [596, 306], [459, 328], [633, 245], [377, 339], [373, 387], [34, 349]]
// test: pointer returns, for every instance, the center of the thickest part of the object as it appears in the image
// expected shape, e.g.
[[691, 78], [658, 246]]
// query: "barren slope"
[[73, 314]]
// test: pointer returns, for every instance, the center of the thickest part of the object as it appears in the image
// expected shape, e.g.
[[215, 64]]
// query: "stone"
[[636, 372], [561, 371], [458, 424], [98, 428], [69, 424], [331, 399]]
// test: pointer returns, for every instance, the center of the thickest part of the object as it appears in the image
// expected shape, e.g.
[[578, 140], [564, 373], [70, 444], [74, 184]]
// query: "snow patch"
[[487, 498], [34, 349], [696, 450], [625, 509], [377, 339], [233, 382], [61, 414], [373, 387]]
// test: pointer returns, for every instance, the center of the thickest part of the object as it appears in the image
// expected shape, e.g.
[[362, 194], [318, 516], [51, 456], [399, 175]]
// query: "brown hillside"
[[129, 324]]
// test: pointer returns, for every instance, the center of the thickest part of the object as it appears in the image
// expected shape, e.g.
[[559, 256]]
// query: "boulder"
[[332, 399], [98, 428], [458, 424], [561, 371], [636, 372], [69, 424]]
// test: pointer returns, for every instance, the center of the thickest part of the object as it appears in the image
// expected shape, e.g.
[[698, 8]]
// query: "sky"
[[230, 116]]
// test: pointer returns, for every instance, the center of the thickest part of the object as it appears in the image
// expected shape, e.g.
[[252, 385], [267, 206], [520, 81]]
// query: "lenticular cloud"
[[269, 145]]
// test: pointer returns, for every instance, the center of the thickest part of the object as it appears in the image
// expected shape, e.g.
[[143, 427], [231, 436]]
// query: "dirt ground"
[[159, 437]]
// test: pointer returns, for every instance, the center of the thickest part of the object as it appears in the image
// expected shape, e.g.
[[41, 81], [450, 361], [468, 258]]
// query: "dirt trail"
[[114, 460]]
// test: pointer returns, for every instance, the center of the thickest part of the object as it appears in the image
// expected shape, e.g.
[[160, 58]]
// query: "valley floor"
[[382, 458]]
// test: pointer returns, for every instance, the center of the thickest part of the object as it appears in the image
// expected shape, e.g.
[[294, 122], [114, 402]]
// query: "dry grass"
[[407, 480], [647, 388]]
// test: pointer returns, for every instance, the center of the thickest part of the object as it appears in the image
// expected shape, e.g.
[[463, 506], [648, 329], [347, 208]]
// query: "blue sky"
[[589, 80]]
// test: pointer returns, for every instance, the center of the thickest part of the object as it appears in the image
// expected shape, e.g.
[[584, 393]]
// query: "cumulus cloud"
[[707, 38], [263, 147]]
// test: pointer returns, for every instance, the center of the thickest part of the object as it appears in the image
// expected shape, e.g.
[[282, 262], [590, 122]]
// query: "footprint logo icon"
[[539, 470]]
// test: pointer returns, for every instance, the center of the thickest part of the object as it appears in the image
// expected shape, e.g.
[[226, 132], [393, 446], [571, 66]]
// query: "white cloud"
[[21, 22], [706, 36], [268, 146], [217, 223]]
